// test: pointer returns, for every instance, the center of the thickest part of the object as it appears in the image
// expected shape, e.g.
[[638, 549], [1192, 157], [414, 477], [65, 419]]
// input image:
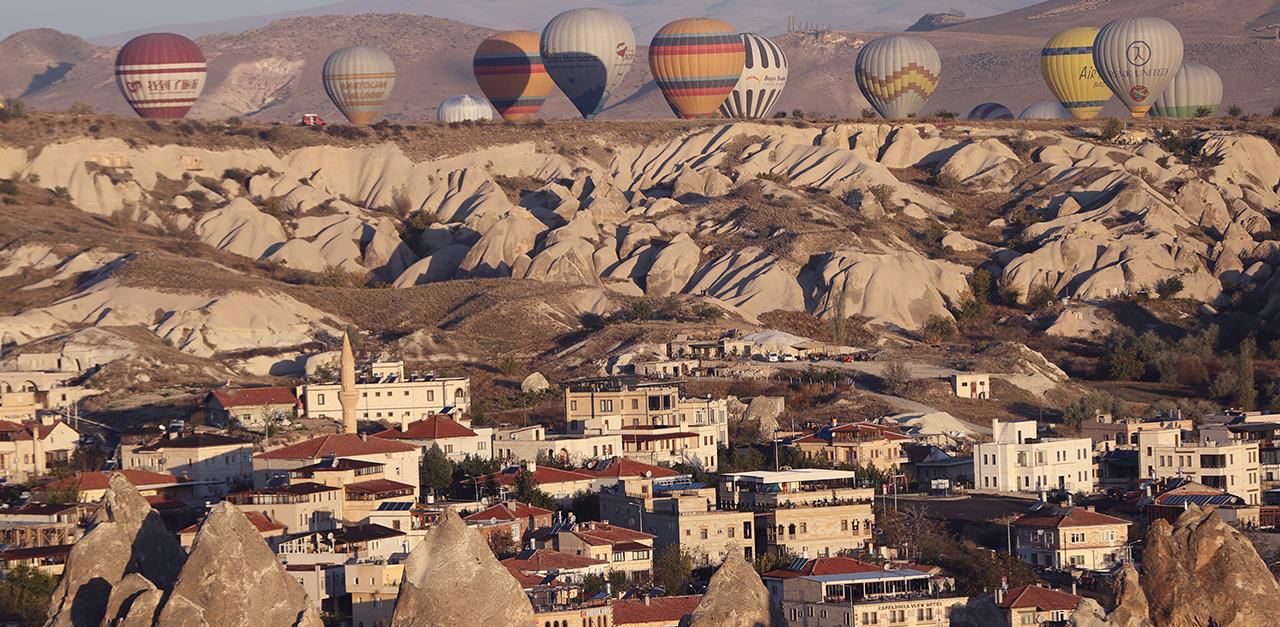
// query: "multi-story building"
[[684, 517], [1232, 466], [858, 443], [1072, 538], [456, 438], [300, 507], [400, 461], [511, 517], [220, 462], [648, 611], [558, 484], [804, 512], [1033, 606], [29, 449], [1109, 433], [1266, 434], [1019, 460], [624, 550], [838, 592], [160, 488], [527, 444], [254, 409], [374, 587], [566, 567], [387, 393], [656, 424]]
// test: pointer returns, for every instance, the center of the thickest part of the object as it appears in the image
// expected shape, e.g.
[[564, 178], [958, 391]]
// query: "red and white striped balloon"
[[161, 75]]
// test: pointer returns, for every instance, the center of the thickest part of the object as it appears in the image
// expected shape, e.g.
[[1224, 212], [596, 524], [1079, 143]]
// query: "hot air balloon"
[[508, 67], [1046, 110], [464, 108], [764, 75], [990, 111], [1067, 65], [897, 74], [161, 74], [1137, 57], [696, 62], [1196, 91], [359, 81], [588, 52]]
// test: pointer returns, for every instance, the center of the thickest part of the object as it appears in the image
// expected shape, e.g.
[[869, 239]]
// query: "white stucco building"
[[1017, 460], [387, 393]]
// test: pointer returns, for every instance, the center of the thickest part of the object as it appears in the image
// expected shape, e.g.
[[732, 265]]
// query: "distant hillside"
[[1197, 19]]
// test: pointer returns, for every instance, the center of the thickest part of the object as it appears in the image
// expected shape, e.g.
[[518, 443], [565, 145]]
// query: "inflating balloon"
[[1196, 91], [588, 52], [1067, 65], [1138, 57], [764, 76], [898, 74], [696, 63], [359, 81], [161, 75], [508, 67]]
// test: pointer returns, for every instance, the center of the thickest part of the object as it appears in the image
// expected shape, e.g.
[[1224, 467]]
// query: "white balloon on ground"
[[990, 111], [1046, 110], [897, 74], [764, 76], [1137, 57], [465, 108], [1196, 91], [588, 52]]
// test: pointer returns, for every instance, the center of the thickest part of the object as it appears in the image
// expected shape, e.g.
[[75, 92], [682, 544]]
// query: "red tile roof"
[[658, 609], [509, 510], [260, 521], [255, 397], [1042, 599], [1067, 517], [86, 481], [543, 560], [541, 475], [823, 566], [437, 427], [337, 445], [619, 467], [338, 465], [599, 534], [377, 486]]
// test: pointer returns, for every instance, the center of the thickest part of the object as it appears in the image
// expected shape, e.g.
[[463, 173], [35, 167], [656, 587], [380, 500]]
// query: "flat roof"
[[900, 573], [791, 476]]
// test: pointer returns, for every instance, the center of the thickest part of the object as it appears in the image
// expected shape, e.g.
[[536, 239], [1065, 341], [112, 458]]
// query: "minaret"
[[348, 395]]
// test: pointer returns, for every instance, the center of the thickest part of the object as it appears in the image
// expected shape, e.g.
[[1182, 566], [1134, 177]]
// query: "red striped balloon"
[[696, 62], [161, 75]]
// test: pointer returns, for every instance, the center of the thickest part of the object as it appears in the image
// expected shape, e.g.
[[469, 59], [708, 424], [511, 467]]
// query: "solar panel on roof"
[[395, 507]]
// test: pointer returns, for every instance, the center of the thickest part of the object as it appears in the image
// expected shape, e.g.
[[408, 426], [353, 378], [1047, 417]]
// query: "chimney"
[[531, 466], [999, 595], [364, 437], [646, 599], [404, 423]]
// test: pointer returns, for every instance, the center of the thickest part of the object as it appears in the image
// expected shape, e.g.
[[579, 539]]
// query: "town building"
[[727, 347], [1109, 433], [300, 507], [687, 517], [665, 368], [657, 426], [527, 444], [252, 409], [1072, 538], [971, 385], [566, 567], [836, 591], [374, 586], [400, 460], [559, 484], [220, 463], [611, 471], [510, 517], [1019, 460], [927, 464], [624, 550], [456, 438], [385, 392], [858, 443], [1266, 434], [50, 560], [272, 532], [1034, 606], [805, 512], [1232, 466], [42, 524], [158, 488], [29, 449], [653, 611], [1172, 497]]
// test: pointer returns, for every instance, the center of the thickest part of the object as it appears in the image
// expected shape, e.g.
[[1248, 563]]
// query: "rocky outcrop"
[[232, 578], [127, 550], [452, 578], [1131, 606], [534, 383], [736, 597], [1200, 571]]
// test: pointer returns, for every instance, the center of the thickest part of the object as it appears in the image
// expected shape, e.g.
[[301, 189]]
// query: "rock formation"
[[1200, 571], [1131, 606], [736, 597], [233, 579], [127, 542], [452, 578], [533, 383]]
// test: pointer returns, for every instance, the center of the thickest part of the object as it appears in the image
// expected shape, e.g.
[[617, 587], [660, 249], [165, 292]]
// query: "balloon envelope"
[[1046, 110], [508, 67], [898, 74], [588, 52], [359, 81], [990, 111], [161, 75], [1137, 57], [1067, 65], [464, 108], [764, 76], [696, 63], [1196, 91]]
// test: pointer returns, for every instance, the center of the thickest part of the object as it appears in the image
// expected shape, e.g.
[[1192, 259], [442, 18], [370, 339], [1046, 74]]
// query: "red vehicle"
[[311, 119]]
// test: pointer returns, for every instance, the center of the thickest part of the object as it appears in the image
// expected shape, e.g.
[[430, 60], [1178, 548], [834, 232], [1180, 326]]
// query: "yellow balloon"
[[1067, 65]]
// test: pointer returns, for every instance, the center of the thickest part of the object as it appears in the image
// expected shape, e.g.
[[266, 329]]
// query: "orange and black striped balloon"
[[696, 63], [509, 69]]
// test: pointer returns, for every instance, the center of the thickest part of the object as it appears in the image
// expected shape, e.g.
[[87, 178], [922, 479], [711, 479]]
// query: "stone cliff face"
[[1200, 571], [452, 578], [1131, 606], [736, 597], [129, 571], [127, 551]]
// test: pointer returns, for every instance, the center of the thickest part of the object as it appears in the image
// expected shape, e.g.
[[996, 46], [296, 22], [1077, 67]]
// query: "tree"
[[895, 378], [618, 582], [1040, 296], [503, 545], [1169, 288], [527, 491], [593, 584], [773, 559], [436, 471], [839, 315], [673, 569], [938, 329], [1246, 393], [586, 506], [27, 592]]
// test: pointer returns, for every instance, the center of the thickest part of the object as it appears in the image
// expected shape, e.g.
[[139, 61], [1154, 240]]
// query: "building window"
[[319, 399], [431, 396]]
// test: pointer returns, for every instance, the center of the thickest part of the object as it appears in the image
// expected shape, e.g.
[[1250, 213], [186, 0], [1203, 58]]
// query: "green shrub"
[[1112, 129], [1235, 111], [1169, 288]]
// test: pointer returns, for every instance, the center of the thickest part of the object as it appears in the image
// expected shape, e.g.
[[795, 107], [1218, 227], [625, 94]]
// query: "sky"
[[95, 18]]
